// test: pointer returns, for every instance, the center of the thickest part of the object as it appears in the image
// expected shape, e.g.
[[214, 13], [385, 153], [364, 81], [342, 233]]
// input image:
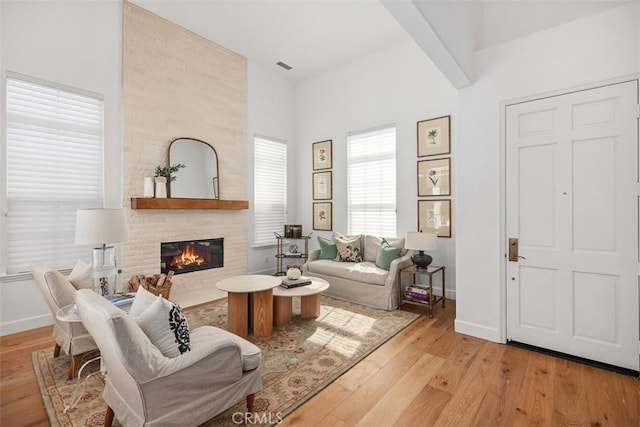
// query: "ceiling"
[[313, 36]]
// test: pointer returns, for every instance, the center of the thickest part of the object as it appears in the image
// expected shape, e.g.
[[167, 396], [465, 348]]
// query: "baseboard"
[[22, 325], [478, 331]]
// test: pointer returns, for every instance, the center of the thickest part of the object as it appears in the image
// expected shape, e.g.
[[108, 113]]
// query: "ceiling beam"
[[410, 16]]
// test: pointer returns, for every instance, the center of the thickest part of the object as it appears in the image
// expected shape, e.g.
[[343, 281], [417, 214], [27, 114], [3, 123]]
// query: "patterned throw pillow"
[[348, 248], [164, 323]]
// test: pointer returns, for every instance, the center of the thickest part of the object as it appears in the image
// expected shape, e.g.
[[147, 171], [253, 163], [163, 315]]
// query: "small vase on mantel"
[[161, 187], [148, 186]]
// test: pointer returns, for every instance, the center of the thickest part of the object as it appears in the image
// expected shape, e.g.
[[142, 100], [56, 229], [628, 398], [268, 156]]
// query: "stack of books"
[[417, 294], [302, 281]]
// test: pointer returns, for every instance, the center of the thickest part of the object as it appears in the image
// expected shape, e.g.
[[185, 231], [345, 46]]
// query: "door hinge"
[[637, 111]]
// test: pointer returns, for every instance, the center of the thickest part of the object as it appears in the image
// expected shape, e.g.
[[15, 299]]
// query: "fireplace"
[[191, 255]]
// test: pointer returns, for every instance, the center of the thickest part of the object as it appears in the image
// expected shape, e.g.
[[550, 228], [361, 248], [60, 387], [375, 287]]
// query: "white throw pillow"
[[80, 276], [141, 302], [166, 326]]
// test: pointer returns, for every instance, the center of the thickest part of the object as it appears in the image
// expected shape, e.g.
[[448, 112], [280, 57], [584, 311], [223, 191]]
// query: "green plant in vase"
[[168, 172]]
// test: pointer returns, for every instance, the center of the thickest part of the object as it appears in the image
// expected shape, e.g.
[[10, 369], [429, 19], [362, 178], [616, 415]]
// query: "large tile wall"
[[178, 84]]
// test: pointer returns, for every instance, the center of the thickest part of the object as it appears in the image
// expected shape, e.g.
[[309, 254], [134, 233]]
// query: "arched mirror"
[[199, 178]]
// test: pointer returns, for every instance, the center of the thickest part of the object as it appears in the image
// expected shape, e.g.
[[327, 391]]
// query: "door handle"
[[513, 250]]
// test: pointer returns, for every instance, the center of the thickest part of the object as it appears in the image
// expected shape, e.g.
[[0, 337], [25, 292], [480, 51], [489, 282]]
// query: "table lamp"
[[419, 241], [100, 227]]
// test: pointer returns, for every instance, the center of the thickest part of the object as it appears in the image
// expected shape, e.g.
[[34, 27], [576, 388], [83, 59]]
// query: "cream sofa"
[[361, 282]]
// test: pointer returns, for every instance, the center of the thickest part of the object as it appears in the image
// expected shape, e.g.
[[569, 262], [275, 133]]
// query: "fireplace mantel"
[[169, 203]]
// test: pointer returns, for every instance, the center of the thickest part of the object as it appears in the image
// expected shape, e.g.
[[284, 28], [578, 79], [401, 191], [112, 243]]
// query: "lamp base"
[[421, 260], [104, 271]]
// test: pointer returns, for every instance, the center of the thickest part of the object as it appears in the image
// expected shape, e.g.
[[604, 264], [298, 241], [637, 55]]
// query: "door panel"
[[538, 286], [596, 290], [572, 200], [537, 196], [594, 190]]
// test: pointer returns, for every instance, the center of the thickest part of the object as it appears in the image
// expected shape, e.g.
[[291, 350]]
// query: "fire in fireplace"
[[191, 255]]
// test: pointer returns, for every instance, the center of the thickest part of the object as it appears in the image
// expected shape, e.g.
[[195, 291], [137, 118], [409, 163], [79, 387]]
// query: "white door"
[[572, 203]]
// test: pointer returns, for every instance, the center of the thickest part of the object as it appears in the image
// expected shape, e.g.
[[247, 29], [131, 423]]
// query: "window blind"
[[371, 192], [54, 167], [270, 189]]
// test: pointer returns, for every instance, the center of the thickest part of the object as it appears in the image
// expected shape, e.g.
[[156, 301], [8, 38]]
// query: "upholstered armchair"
[[144, 387], [71, 337]]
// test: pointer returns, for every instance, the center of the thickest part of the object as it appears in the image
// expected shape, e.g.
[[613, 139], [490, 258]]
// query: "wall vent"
[[283, 65]]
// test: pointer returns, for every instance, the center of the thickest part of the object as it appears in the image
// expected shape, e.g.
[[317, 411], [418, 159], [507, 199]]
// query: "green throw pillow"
[[328, 249], [386, 254]]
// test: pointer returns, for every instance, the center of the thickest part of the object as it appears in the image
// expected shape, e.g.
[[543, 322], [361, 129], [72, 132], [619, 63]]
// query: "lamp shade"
[[99, 226], [420, 241]]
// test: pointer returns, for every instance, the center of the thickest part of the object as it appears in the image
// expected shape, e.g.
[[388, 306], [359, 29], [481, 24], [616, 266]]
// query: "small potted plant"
[[168, 172]]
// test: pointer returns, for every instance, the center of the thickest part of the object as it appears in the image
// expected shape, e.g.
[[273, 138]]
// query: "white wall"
[[76, 44], [271, 113], [596, 48], [394, 85]]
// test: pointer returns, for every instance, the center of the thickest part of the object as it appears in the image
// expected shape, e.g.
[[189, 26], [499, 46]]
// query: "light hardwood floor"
[[426, 375]]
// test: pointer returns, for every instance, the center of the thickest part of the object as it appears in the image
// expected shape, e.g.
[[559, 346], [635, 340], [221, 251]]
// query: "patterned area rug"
[[299, 360]]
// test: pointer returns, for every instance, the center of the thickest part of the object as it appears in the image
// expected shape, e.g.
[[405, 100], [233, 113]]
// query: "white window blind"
[[270, 189], [54, 167], [371, 157]]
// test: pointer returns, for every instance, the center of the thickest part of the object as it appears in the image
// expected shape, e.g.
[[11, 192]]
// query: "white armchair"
[[58, 292], [145, 388]]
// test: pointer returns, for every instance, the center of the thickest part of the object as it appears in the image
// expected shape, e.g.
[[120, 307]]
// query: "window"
[[54, 166], [371, 192], [270, 189]]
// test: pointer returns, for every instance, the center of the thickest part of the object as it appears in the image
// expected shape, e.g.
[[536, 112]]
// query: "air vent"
[[283, 65]]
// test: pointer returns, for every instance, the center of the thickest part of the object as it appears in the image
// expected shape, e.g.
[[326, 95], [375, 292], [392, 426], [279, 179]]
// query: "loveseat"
[[364, 282]]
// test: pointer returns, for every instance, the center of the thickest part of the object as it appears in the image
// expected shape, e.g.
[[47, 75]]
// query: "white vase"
[[161, 187], [148, 186]]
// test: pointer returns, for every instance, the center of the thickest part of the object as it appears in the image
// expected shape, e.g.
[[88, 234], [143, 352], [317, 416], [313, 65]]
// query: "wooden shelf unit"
[[169, 203]]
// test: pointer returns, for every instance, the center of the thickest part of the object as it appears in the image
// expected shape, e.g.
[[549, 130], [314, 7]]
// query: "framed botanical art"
[[434, 136], [322, 158], [434, 216], [322, 185], [322, 216], [434, 177]]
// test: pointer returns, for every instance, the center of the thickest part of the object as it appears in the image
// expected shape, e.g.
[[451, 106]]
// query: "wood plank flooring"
[[428, 375]]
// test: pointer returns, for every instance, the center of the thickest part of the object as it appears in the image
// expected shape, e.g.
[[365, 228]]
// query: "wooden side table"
[[414, 274], [309, 301], [250, 303]]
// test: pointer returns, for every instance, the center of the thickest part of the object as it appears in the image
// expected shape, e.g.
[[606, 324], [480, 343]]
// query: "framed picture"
[[322, 216], [434, 216], [322, 185], [322, 158], [434, 136], [434, 177]]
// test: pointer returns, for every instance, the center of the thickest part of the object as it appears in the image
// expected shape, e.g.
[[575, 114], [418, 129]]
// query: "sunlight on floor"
[[339, 330]]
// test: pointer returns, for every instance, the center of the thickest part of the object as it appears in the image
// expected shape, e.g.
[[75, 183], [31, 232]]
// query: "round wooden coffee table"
[[250, 303], [309, 301]]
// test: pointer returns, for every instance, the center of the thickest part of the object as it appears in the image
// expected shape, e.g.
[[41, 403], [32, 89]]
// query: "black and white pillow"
[[166, 326]]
